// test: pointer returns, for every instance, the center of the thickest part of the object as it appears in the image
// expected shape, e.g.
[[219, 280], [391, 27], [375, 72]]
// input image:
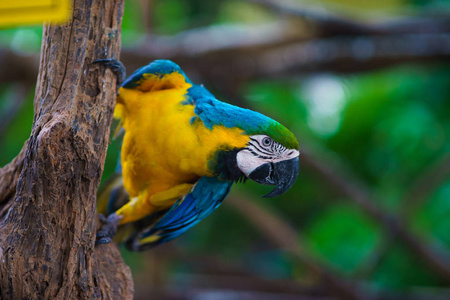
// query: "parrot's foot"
[[116, 66], [108, 229]]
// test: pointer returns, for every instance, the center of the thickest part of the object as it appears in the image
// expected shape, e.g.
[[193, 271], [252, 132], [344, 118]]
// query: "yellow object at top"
[[26, 12]]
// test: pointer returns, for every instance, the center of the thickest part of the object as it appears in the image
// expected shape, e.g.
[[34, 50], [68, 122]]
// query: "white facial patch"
[[262, 149], [247, 162]]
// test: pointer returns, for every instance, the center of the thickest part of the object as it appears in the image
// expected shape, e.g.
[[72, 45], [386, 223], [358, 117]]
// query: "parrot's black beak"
[[282, 174]]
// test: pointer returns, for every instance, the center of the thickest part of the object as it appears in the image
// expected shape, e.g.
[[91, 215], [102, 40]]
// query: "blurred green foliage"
[[386, 126], [18, 130]]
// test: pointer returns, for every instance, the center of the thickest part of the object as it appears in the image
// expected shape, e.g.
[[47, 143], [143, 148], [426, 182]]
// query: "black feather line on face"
[[225, 165], [242, 179]]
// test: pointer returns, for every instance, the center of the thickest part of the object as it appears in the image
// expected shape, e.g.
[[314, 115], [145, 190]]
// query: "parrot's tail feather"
[[112, 195], [134, 241], [118, 131]]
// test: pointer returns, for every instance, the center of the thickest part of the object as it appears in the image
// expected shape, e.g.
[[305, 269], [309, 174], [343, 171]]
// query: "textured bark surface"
[[47, 194]]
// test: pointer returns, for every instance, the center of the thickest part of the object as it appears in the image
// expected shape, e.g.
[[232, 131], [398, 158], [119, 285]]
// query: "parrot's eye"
[[267, 141]]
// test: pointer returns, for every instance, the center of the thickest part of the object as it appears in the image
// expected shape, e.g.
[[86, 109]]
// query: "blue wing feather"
[[202, 200]]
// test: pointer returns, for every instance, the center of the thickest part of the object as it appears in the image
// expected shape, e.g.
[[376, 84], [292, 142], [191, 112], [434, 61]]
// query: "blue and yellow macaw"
[[182, 151]]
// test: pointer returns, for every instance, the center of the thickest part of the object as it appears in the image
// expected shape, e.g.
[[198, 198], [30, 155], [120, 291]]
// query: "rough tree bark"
[[47, 194]]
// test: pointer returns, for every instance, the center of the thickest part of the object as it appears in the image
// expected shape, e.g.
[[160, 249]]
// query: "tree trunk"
[[47, 194]]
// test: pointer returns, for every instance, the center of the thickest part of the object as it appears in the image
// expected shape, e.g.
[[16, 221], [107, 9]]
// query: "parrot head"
[[268, 161], [270, 155]]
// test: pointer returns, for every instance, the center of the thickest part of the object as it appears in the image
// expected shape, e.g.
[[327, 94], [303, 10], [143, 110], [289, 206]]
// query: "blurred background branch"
[[285, 237], [436, 174], [275, 49]]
